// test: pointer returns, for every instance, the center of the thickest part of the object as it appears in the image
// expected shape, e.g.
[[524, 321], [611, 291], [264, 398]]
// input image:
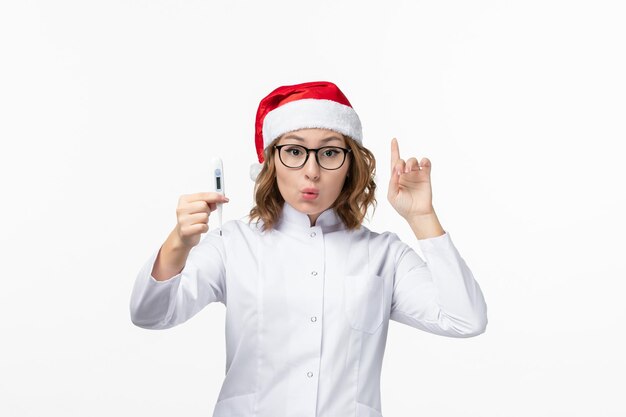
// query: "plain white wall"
[[110, 110]]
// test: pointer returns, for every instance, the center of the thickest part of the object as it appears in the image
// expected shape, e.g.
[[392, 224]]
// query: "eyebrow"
[[302, 139]]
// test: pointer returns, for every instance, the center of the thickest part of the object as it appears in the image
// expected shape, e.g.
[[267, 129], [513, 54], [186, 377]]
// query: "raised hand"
[[410, 191]]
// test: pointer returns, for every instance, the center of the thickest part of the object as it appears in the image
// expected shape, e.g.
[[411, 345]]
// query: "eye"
[[331, 152], [293, 151]]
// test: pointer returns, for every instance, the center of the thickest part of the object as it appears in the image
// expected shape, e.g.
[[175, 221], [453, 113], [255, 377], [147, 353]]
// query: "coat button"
[[309, 374], [312, 234], [314, 273], [313, 319]]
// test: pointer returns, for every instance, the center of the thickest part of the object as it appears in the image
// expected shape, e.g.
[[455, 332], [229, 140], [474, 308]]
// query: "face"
[[311, 189]]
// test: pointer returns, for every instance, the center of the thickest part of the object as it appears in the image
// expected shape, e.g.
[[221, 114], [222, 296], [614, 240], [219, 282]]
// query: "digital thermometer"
[[217, 185]]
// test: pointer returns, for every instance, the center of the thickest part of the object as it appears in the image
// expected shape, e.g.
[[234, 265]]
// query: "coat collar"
[[294, 220]]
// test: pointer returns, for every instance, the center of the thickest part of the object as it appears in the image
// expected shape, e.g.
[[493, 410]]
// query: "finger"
[[198, 218], [194, 229], [398, 168], [394, 184], [395, 152], [425, 165], [411, 165], [196, 207], [209, 197]]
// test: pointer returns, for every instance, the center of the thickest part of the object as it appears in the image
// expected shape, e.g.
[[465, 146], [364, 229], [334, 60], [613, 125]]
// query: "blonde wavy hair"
[[357, 194]]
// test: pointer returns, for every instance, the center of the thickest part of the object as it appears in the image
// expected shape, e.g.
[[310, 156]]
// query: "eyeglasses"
[[327, 157]]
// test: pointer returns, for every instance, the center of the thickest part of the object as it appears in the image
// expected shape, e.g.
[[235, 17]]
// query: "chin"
[[308, 207]]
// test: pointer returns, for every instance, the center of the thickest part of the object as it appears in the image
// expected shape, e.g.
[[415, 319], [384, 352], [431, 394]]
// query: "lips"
[[310, 193]]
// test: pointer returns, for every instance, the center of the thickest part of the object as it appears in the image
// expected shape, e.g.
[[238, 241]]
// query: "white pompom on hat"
[[317, 104]]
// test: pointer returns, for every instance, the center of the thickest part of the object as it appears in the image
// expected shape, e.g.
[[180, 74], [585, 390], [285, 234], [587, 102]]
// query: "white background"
[[110, 110]]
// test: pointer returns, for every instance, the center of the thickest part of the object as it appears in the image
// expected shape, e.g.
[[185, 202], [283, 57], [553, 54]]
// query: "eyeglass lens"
[[329, 157]]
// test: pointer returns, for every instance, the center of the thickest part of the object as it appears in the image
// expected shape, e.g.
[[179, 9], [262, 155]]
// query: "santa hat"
[[317, 104]]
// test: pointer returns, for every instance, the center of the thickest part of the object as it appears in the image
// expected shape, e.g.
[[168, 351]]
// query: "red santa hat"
[[317, 104]]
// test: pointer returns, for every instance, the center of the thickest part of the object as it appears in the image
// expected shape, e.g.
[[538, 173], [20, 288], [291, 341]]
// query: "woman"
[[309, 290]]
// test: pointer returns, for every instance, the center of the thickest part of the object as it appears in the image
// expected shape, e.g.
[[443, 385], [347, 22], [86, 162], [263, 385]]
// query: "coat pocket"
[[364, 300]]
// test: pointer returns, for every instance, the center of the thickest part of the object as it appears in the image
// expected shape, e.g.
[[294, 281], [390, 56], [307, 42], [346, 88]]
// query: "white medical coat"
[[308, 308]]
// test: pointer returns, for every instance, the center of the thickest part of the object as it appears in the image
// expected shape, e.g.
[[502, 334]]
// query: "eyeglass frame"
[[346, 151]]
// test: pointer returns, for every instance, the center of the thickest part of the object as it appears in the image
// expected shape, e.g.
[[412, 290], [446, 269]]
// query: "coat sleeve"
[[164, 304], [439, 295]]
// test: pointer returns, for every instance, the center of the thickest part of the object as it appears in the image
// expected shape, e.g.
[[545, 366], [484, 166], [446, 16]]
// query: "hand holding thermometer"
[[217, 185]]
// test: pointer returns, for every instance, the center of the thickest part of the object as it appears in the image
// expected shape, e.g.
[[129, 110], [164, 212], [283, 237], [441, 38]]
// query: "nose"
[[312, 168]]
